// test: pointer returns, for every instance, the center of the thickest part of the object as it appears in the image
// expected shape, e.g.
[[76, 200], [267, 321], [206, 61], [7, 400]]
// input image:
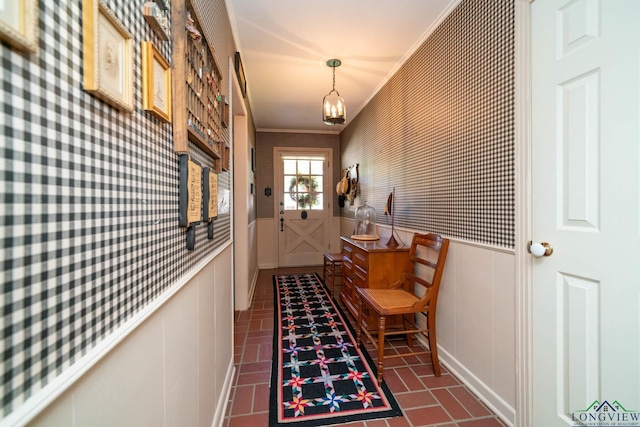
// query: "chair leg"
[[405, 321], [381, 327], [433, 346]]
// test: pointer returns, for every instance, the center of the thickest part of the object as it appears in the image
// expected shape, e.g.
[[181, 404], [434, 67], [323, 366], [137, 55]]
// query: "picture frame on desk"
[[156, 83], [19, 24], [107, 56]]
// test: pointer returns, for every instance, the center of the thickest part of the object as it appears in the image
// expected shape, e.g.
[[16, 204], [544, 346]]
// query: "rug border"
[[395, 410]]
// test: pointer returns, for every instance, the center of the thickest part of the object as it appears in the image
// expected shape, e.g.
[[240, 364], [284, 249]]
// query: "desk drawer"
[[347, 252], [359, 277], [360, 259]]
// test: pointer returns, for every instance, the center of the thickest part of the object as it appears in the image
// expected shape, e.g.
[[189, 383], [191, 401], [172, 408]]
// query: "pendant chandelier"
[[334, 110]]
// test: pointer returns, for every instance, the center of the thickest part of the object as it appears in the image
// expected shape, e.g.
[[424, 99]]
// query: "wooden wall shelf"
[[198, 100]]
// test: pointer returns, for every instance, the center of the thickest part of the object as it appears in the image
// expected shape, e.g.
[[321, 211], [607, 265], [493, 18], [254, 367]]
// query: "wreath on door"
[[303, 190]]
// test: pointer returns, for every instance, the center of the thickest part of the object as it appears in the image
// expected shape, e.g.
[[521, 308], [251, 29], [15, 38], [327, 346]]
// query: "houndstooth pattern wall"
[[89, 218], [441, 131]]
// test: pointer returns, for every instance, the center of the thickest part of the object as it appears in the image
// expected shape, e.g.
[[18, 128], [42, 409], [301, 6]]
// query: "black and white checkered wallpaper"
[[441, 131], [89, 196]]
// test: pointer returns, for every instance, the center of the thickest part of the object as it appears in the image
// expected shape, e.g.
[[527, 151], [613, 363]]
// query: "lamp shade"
[[334, 109]]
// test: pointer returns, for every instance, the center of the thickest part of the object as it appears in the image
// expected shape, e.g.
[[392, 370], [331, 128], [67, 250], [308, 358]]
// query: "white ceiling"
[[285, 44]]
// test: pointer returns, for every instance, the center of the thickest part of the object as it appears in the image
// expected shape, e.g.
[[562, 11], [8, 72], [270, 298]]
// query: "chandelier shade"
[[334, 109]]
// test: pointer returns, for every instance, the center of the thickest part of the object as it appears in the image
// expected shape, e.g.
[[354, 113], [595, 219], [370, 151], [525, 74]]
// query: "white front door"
[[303, 205], [585, 202]]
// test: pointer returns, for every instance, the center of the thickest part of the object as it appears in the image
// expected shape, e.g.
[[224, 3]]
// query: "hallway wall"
[[172, 370], [441, 132], [92, 253]]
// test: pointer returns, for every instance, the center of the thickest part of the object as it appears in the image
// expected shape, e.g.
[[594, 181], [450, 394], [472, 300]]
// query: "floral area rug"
[[318, 376]]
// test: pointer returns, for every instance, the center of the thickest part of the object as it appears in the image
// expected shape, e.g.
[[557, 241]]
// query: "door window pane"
[[303, 183], [290, 167], [319, 204], [303, 167], [289, 203], [316, 167], [289, 180]]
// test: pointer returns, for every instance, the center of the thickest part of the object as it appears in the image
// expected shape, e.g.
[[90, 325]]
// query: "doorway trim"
[[278, 152], [523, 194], [242, 277]]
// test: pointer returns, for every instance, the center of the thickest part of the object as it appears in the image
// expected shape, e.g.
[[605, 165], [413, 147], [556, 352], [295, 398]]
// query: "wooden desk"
[[369, 264]]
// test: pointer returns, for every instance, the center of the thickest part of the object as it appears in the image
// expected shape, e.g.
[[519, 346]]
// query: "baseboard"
[[223, 401], [501, 408], [267, 266], [252, 290]]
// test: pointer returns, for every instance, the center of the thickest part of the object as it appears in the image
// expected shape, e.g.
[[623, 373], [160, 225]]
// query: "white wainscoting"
[[245, 264], [267, 243], [174, 368], [253, 259], [476, 319]]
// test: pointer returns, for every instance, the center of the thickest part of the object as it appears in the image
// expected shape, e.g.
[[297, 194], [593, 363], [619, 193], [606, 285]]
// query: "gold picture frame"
[[156, 83], [108, 56], [19, 24]]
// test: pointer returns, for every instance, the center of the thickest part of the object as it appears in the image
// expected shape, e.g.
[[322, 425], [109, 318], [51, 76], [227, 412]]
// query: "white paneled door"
[[303, 199], [585, 201]]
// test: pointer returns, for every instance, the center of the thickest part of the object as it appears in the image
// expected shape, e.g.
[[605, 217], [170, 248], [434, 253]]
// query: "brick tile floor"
[[425, 400]]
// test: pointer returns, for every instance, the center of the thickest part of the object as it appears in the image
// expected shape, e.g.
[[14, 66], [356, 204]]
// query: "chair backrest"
[[427, 257]]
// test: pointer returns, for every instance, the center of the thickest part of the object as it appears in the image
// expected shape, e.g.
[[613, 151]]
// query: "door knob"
[[539, 249]]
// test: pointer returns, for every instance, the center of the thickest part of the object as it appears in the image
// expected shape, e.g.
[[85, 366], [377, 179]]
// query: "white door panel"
[[303, 194], [302, 241], [585, 201]]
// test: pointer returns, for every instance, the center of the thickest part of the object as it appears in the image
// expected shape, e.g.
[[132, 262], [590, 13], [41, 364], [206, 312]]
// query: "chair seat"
[[387, 302]]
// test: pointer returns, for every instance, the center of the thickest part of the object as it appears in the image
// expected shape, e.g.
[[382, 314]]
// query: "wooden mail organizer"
[[369, 264]]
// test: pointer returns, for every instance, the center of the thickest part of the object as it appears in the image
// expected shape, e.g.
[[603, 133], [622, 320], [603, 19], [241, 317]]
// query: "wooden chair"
[[416, 292], [332, 269]]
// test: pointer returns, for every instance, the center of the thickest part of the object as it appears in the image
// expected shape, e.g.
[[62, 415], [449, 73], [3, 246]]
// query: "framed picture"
[[240, 75], [108, 56], [210, 195], [253, 159], [210, 199], [190, 197], [156, 83], [19, 24]]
